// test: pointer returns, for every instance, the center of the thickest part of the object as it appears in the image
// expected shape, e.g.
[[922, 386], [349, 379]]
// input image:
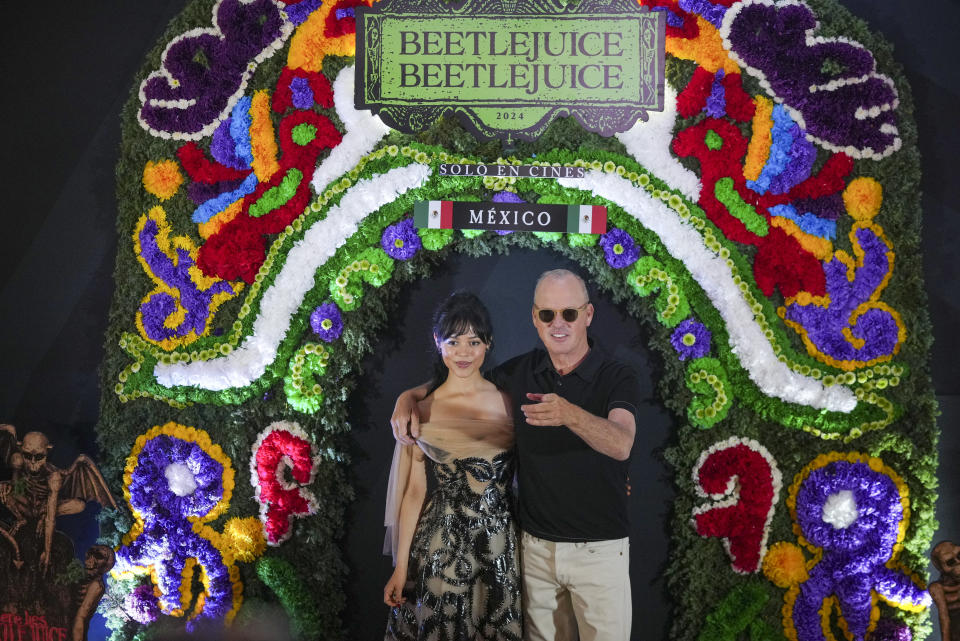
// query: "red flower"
[[232, 252], [277, 448], [721, 162], [337, 27], [319, 86], [744, 471], [687, 27], [693, 98], [203, 170], [782, 263], [828, 181]]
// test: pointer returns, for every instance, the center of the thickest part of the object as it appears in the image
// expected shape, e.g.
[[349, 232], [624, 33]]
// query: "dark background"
[[67, 67]]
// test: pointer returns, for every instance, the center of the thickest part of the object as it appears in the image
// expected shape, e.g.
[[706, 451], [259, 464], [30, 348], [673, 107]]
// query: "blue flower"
[[400, 240], [619, 248], [326, 322], [691, 339]]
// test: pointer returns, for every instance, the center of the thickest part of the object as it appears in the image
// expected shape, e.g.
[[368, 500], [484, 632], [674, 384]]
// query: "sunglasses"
[[569, 314]]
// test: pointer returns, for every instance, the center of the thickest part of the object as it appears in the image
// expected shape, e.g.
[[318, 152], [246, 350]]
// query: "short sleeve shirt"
[[567, 490]]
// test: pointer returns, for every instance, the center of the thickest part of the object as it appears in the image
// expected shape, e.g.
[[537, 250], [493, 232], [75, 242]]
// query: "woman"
[[453, 539]]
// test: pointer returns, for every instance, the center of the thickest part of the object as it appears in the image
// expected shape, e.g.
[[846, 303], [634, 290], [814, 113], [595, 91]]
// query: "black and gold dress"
[[463, 577]]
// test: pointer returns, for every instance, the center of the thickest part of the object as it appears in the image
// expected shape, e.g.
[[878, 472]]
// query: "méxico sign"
[[507, 68], [454, 214]]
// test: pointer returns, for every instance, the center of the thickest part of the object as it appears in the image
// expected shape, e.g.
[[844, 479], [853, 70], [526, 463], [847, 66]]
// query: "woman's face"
[[463, 355]]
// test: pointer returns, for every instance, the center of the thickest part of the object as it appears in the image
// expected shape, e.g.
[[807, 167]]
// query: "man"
[[575, 425]]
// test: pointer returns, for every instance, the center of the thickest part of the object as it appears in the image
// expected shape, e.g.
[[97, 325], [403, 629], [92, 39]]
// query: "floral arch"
[[758, 224]]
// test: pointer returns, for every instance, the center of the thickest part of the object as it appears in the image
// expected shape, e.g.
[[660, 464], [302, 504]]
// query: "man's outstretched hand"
[[550, 410]]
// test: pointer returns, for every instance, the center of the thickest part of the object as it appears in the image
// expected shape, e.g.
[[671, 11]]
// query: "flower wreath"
[[756, 224]]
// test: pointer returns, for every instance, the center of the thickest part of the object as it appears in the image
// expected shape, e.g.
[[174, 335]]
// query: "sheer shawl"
[[443, 441]]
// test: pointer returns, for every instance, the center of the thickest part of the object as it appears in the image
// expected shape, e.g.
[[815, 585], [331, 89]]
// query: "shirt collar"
[[585, 370]]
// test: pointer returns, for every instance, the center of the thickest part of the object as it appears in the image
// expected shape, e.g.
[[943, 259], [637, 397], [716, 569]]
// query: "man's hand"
[[550, 410], [612, 435], [405, 419]]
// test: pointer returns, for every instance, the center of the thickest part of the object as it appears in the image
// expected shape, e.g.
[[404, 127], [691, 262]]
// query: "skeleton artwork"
[[35, 492], [946, 591]]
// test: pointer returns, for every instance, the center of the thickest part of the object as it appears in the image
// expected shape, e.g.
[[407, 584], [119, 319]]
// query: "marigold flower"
[[785, 565], [862, 198], [162, 179]]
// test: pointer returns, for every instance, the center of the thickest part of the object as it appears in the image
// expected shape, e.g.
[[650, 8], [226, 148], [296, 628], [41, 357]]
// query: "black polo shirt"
[[567, 490]]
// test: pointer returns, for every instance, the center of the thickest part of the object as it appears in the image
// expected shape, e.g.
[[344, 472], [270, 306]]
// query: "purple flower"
[[876, 328], [191, 304], [223, 147], [619, 248], [400, 240], [142, 605], [717, 100], [891, 630], [870, 494], [853, 513], [673, 19], [773, 40], [691, 339], [326, 322], [248, 29], [506, 197], [710, 12], [299, 12], [173, 480], [302, 94]]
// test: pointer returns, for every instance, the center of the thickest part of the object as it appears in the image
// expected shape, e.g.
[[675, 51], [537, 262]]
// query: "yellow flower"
[[862, 198], [162, 179], [785, 565], [244, 538]]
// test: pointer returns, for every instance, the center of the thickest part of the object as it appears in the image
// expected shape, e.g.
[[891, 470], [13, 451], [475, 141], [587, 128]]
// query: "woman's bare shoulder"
[[487, 403]]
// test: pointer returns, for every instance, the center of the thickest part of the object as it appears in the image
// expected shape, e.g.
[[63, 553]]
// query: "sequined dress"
[[463, 578]]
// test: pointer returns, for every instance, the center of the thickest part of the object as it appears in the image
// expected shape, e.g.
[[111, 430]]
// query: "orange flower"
[[706, 49], [162, 179], [310, 45], [862, 198], [785, 565]]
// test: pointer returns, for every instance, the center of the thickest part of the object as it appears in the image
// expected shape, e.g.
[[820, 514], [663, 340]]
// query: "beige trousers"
[[576, 587]]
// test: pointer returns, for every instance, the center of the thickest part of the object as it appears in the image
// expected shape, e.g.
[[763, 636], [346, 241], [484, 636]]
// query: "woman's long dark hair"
[[461, 313]]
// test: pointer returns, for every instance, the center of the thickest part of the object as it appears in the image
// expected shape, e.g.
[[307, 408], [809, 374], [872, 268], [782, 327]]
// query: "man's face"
[[34, 451], [559, 336], [948, 557]]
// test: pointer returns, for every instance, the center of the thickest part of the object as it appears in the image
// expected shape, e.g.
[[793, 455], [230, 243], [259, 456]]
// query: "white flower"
[[840, 509]]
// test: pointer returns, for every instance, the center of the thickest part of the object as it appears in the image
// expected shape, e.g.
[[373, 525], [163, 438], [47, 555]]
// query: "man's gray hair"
[[556, 274]]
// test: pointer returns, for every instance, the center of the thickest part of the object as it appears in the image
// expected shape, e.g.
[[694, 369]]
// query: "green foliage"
[[281, 577]]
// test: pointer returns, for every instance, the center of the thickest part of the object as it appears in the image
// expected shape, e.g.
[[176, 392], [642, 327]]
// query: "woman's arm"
[[410, 507]]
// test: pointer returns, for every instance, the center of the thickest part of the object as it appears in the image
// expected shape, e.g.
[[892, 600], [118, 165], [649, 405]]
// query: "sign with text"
[[511, 171], [29, 627], [508, 68], [450, 214]]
